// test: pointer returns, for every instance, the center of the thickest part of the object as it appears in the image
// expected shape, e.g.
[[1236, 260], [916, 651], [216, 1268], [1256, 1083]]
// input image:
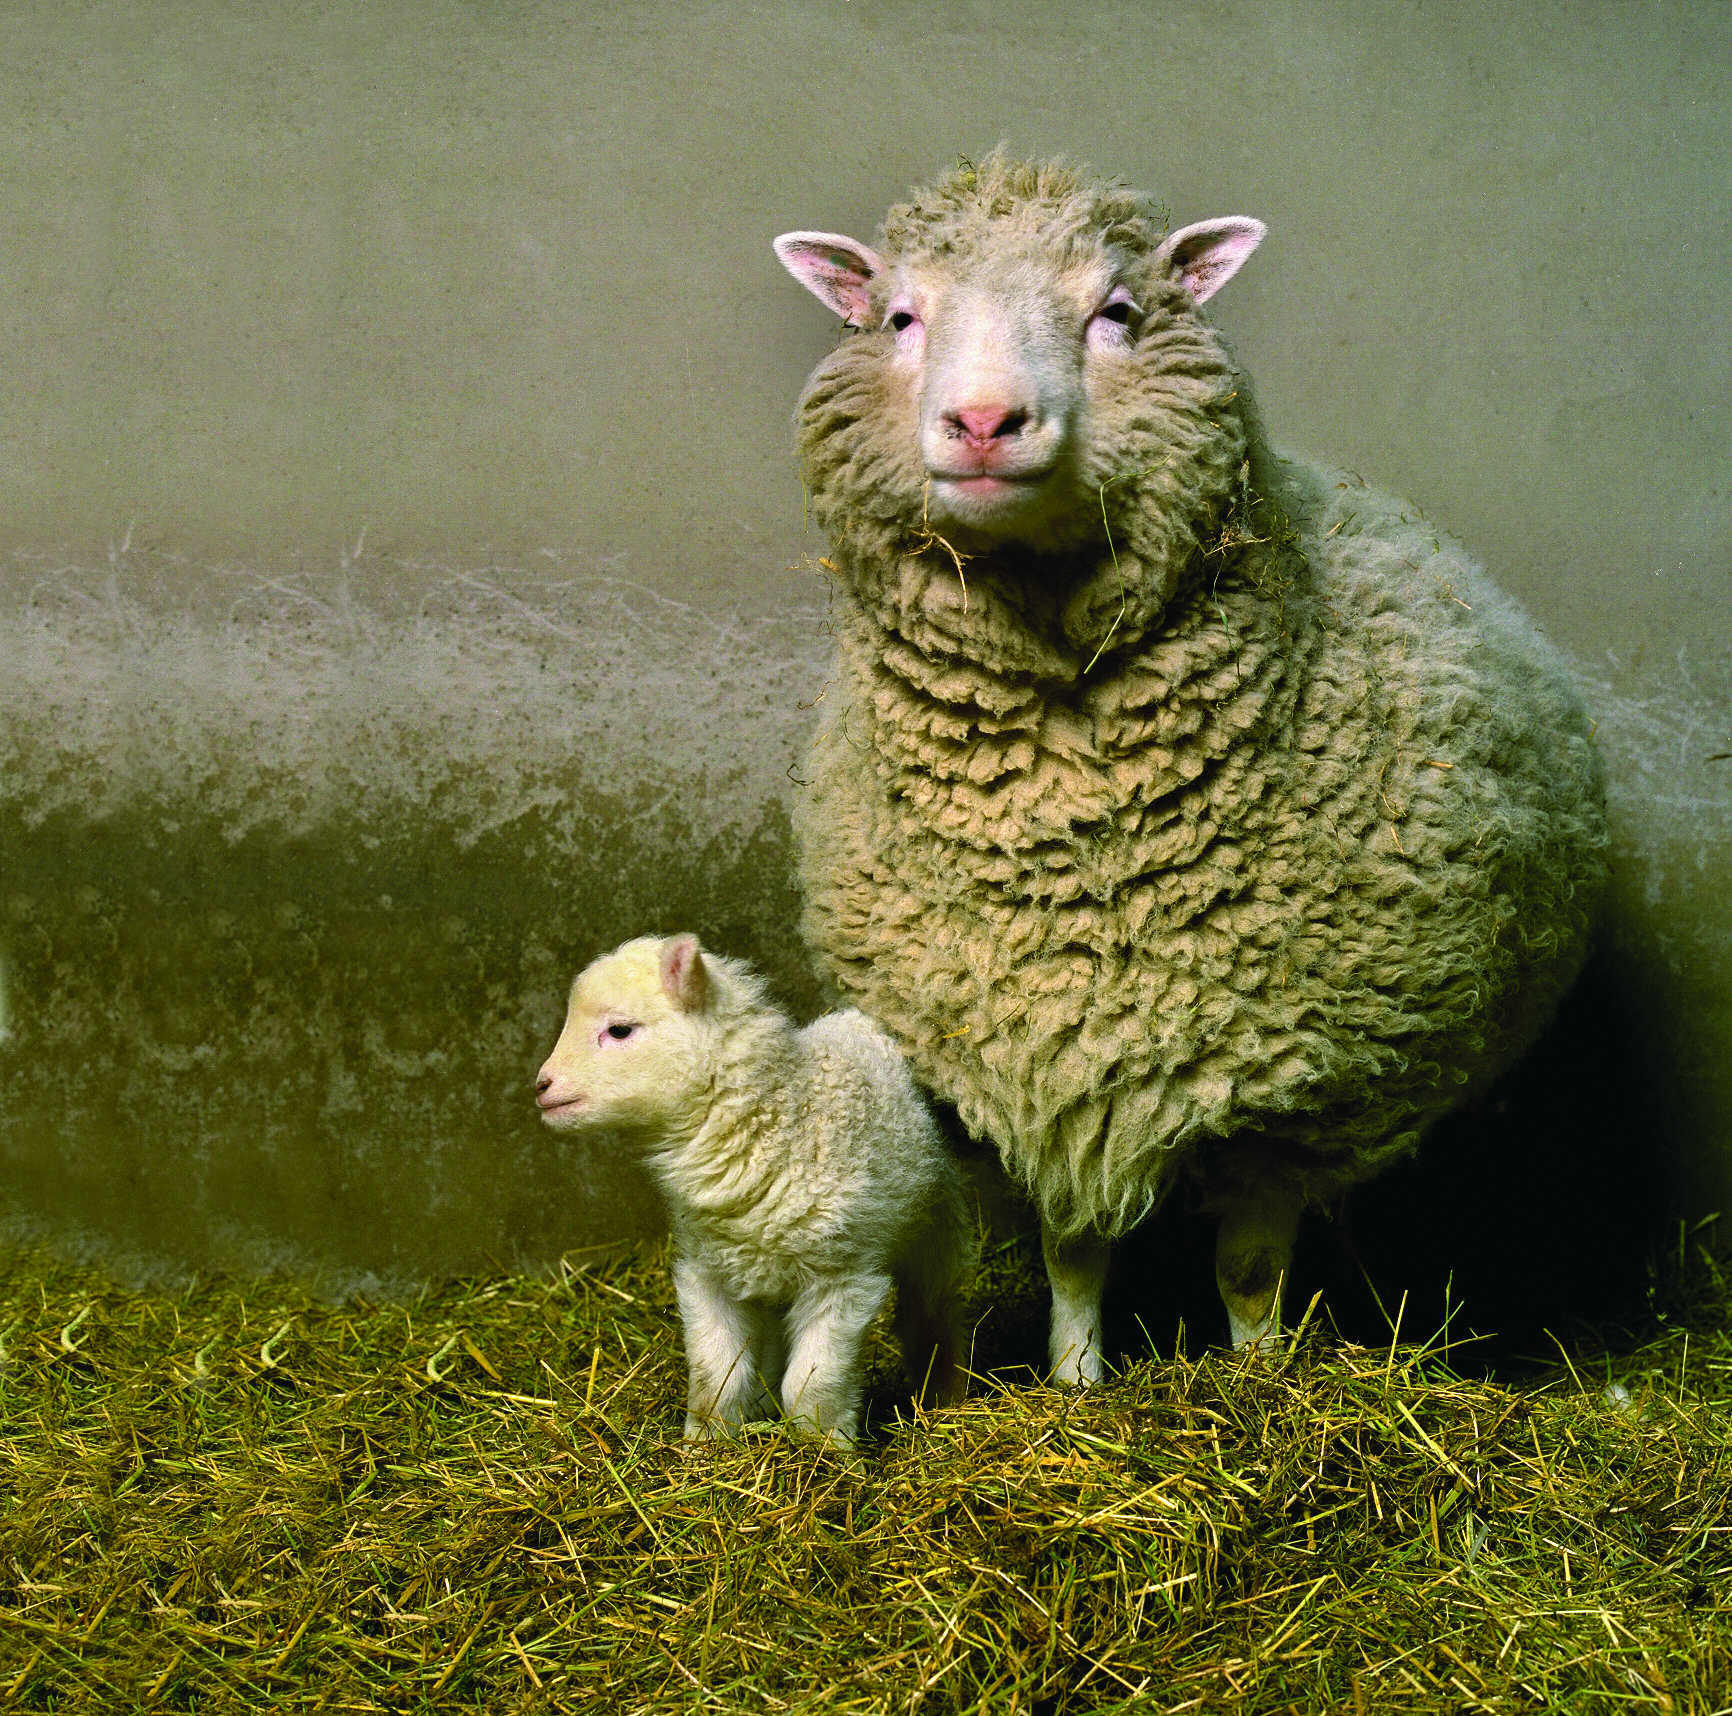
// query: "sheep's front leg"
[[1253, 1255], [1077, 1269], [827, 1328], [724, 1338]]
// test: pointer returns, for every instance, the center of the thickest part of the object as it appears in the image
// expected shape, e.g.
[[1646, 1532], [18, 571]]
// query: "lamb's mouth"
[[558, 1110]]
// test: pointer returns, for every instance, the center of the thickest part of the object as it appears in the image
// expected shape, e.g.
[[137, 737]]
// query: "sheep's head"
[[1032, 389], [633, 1051]]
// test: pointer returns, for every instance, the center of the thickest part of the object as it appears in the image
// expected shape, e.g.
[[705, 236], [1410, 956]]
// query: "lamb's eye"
[[1119, 312], [901, 319], [619, 1033]]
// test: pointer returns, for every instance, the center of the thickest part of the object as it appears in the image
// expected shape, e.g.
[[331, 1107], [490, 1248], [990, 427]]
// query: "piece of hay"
[[241, 1498]]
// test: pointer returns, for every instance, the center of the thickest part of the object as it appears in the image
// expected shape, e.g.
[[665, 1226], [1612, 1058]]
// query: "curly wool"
[[803, 1173], [1166, 458], [1300, 862], [784, 1154]]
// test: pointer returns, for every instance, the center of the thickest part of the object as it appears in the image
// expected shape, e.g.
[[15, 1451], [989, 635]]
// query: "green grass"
[[241, 1499]]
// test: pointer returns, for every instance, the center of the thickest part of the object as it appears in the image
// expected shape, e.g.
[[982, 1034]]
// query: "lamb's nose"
[[983, 423], [542, 1081]]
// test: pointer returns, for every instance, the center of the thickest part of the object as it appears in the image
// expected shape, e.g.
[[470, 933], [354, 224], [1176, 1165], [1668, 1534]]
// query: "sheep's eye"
[[1109, 328], [901, 319], [619, 1033]]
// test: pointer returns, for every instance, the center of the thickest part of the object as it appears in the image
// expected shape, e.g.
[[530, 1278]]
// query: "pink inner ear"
[[835, 269], [685, 982], [1207, 254]]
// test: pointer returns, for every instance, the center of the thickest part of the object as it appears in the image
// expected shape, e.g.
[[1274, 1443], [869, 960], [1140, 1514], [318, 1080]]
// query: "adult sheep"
[[1183, 812]]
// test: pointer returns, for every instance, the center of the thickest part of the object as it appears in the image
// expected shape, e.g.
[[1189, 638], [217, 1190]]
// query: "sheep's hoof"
[[1261, 1337], [1078, 1367]]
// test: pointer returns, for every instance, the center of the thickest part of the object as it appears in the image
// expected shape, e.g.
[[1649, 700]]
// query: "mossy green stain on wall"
[[300, 1056], [316, 320]]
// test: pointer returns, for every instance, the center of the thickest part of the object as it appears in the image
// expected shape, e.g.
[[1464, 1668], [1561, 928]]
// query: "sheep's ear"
[[685, 977], [835, 269], [1206, 255]]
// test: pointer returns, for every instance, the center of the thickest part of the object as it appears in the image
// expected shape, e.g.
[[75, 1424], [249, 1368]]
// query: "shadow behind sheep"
[[1533, 1210]]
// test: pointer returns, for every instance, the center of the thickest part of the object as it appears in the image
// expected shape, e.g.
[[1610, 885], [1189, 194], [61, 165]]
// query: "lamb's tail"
[[929, 1305]]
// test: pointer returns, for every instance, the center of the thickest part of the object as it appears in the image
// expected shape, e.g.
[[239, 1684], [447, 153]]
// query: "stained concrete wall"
[[403, 556]]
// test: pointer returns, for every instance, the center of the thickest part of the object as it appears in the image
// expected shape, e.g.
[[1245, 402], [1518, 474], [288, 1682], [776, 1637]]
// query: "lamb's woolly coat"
[[815, 1156], [803, 1175], [1300, 862]]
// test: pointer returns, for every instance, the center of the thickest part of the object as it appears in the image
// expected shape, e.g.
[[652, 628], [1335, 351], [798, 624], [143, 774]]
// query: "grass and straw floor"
[[241, 1499]]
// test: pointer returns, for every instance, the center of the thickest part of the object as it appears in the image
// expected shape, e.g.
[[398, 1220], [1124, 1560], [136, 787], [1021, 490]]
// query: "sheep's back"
[[1311, 866]]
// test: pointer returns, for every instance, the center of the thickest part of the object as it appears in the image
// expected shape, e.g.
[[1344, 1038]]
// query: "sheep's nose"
[[542, 1080], [984, 423]]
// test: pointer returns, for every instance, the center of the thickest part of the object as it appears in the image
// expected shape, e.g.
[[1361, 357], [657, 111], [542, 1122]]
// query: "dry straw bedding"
[[239, 1498]]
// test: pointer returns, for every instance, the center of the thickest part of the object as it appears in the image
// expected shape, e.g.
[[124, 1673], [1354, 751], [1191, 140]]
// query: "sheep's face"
[[1029, 372], [996, 365], [630, 1055]]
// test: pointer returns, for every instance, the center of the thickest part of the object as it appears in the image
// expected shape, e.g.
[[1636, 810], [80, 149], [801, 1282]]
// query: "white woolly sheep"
[[803, 1173], [1183, 812]]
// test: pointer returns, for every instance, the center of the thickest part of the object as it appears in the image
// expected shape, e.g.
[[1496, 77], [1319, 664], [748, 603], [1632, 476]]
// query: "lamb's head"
[[637, 1046], [1031, 387]]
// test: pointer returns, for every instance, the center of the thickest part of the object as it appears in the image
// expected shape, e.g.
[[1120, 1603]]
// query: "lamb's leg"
[[1077, 1269], [1253, 1255], [827, 1326], [725, 1388]]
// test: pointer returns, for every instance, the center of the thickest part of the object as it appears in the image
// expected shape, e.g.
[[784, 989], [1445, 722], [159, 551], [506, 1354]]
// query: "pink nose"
[[981, 424]]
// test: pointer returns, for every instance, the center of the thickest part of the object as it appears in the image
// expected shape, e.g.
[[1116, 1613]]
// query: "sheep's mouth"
[[988, 498], [990, 485], [983, 508]]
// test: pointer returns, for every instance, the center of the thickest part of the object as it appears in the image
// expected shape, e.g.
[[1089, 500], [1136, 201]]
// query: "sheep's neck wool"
[[1246, 834]]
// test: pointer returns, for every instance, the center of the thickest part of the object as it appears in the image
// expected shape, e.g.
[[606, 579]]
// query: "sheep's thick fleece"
[[1299, 861]]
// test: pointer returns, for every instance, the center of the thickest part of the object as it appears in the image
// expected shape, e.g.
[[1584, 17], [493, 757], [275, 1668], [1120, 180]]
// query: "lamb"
[[1187, 814], [803, 1173]]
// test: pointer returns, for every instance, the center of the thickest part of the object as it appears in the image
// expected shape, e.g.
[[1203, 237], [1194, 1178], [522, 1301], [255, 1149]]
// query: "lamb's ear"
[[1207, 254], [835, 269], [685, 977]]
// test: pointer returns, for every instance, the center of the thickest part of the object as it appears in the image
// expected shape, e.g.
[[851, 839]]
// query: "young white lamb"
[[804, 1178], [1183, 812]]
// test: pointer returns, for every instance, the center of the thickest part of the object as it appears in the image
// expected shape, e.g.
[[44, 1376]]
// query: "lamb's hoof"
[[709, 1429], [838, 1438]]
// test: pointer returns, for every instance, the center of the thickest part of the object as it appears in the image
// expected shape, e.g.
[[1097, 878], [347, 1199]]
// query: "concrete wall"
[[396, 505]]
